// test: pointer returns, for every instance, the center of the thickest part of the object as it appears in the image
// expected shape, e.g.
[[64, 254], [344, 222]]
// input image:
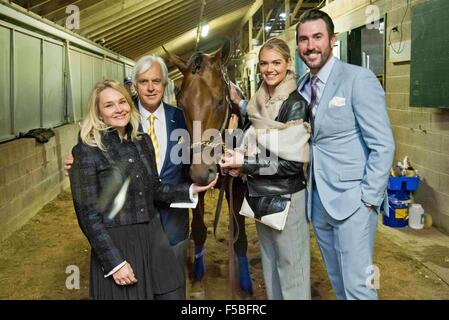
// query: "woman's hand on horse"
[[124, 275], [232, 159], [196, 188]]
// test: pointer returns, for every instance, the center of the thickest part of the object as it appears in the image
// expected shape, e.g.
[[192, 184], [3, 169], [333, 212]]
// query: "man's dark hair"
[[315, 14]]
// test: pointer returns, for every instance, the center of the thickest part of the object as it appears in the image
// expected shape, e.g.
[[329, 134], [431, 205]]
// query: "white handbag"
[[275, 220]]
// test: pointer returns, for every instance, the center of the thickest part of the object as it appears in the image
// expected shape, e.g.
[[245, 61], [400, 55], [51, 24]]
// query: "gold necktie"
[[152, 133]]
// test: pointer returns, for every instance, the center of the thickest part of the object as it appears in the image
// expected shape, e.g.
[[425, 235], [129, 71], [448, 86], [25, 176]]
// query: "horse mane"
[[197, 64]]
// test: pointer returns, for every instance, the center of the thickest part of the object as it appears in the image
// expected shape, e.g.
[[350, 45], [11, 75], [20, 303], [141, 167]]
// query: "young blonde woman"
[[277, 106], [131, 257]]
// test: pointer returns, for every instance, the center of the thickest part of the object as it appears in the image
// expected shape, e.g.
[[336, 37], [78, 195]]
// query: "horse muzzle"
[[203, 174]]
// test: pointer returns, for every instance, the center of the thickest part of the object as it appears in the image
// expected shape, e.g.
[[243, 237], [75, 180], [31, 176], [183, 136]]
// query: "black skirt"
[[146, 248]]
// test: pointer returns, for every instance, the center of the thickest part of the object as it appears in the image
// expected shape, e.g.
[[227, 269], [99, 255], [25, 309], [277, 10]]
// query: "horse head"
[[204, 98]]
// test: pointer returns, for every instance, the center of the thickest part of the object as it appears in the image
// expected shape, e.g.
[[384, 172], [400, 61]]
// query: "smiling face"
[[150, 87], [114, 109], [315, 44], [273, 68]]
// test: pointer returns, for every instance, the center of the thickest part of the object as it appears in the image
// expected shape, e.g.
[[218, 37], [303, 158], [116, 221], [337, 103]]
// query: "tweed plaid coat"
[[92, 174]]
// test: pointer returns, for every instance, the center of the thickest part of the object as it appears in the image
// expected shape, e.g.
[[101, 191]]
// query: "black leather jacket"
[[289, 177]]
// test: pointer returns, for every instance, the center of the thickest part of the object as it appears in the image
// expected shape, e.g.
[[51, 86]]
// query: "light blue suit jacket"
[[352, 145]]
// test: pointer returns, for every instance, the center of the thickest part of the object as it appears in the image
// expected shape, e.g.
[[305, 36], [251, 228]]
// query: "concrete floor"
[[413, 264], [429, 247]]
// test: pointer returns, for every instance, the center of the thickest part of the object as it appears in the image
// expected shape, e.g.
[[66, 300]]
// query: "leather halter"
[[225, 123]]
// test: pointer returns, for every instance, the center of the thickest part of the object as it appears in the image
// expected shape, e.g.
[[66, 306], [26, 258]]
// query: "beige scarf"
[[289, 141]]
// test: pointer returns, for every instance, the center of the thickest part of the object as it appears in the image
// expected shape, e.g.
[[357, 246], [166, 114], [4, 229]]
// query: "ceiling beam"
[[102, 18], [267, 17], [59, 16], [296, 10], [149, 37], [134, 26], [33, 4], [52, 5], [172, 28], [252, 10], [101, 6], [186, 41], [287, 12]]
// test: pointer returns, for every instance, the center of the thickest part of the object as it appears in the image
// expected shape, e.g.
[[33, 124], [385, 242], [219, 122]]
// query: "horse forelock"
[[197, 62]]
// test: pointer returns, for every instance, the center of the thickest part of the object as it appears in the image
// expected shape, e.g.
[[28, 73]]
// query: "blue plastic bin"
[[399, 189], [397, 216], [403, 183]]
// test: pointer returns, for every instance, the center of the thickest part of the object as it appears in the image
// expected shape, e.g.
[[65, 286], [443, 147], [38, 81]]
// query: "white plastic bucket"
[[416, 216]]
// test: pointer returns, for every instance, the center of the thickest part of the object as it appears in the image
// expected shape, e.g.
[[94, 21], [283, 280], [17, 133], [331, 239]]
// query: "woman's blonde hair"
[[93, 127], [278, 45]]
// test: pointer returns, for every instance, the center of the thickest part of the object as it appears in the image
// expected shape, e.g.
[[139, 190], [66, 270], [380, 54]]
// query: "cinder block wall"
[[31, 175], [420, 133]]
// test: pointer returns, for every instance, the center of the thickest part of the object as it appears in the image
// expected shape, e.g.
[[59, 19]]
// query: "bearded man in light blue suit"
[[352, 151]]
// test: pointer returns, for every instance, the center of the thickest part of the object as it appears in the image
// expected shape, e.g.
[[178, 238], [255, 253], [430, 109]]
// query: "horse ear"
[[176, 60], [222, 55]]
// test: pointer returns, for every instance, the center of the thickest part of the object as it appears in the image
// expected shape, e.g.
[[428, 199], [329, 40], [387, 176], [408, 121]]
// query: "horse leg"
[[199, 234], [241, 244]]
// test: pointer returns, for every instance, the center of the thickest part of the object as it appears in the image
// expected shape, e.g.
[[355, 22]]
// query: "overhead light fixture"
[[204, 30], [283, 16]]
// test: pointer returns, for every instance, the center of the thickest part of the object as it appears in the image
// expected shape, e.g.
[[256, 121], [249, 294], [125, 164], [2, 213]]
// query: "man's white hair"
[[145, 63]]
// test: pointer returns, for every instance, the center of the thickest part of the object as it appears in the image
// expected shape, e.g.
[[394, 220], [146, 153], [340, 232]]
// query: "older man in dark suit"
[[160, 120]]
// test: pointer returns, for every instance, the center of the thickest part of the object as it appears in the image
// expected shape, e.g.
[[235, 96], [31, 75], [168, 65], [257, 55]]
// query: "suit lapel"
[[302, 81], [329, 91], [169, 126]]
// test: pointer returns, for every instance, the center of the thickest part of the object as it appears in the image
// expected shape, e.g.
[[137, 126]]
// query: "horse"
[[205, 99]]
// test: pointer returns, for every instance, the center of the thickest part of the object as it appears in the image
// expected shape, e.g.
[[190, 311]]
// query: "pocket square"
[[337, 102]]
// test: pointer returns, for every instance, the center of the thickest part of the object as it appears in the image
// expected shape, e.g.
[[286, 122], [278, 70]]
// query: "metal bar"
[[41, 85], [12, 97], [199, 28]]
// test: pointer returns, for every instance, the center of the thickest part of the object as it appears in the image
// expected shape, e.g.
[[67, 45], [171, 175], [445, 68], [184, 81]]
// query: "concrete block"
[[440, 121], [396, 14], [422, 120], [12, 172], [397, 70], [2, 176], [400, 117], [415, 137], [419, 156], [400, 152], [442, 201], [445, 144], [5, 208], [433, 141], [443, 164], [444, 183], [398, 84], [398, 101], [400, 134], [437, 163], [430, 178], [3, 196], [443, 223]]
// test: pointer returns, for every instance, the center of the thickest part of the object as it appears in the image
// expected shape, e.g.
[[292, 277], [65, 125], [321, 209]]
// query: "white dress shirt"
[[323, 76], [160, 128]]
